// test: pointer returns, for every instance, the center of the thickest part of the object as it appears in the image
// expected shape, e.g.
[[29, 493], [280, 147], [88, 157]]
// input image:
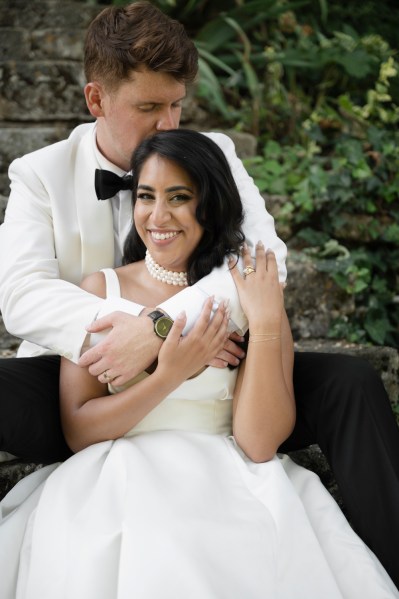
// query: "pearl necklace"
[[165, 276]]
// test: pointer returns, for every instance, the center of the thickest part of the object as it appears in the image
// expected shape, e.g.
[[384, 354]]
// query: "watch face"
[[163, 326]]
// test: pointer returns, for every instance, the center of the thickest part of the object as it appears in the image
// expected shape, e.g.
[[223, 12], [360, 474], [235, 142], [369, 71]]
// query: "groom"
[[56, 231]]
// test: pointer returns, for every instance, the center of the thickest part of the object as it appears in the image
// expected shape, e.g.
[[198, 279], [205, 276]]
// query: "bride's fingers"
[[271, 263], [204, 317], [245, 252], [207, 321], [177, 329], [217, 324], [246, 257], [261, 262], [272, 271], [238, 277], [216, 335]]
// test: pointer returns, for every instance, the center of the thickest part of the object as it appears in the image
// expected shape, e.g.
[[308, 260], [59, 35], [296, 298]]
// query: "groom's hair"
[[219, 209], [122, 39]]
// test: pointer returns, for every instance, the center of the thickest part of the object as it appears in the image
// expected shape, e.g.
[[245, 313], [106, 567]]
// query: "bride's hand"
[[261, 295], [182, 357]]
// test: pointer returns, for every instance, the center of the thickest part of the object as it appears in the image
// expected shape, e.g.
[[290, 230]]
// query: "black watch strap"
[[155, 314]]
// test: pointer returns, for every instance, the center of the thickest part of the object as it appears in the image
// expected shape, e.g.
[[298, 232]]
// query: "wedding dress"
[[175, 510]]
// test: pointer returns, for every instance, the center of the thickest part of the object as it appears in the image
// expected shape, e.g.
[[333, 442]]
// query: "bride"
[[176, 490]]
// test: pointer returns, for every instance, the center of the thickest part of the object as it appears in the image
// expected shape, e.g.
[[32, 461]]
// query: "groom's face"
[[146, 103]]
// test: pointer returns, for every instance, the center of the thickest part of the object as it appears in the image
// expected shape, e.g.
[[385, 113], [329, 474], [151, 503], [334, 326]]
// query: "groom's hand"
[[232, 353], [129, 347]]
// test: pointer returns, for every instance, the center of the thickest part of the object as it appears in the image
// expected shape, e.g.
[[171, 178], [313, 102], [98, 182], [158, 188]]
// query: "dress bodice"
[[201, 404]]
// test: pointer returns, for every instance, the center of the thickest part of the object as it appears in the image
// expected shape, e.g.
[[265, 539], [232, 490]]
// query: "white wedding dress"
[[175, 510]]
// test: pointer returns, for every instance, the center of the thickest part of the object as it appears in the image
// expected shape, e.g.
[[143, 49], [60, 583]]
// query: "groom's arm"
[[38, 305]]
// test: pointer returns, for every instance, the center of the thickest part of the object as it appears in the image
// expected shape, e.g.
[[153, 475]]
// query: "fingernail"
[[181, 315], [260, 244], [224, 303]]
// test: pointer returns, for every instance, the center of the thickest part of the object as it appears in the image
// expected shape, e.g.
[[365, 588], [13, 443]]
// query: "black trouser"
[[30, 425], [341, 405]]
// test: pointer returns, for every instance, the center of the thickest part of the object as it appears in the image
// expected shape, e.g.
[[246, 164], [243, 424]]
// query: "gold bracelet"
[[264, 340], [263, 334]]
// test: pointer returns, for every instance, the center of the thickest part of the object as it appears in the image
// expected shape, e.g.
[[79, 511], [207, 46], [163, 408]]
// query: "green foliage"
[[264, 70], [342, 190]]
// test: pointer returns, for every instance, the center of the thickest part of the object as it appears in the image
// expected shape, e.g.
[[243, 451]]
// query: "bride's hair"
[[219, 209]]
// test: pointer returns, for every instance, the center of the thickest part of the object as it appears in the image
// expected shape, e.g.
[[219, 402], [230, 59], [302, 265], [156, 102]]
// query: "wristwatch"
[[162, 323]]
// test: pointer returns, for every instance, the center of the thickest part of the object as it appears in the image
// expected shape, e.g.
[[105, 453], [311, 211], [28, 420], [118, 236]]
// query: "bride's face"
[[164, 213]]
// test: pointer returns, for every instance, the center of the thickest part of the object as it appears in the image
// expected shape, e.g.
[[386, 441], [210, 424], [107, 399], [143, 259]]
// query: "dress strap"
[[112, 287]]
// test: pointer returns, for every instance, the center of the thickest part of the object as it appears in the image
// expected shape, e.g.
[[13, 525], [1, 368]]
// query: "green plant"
[[342, 203]]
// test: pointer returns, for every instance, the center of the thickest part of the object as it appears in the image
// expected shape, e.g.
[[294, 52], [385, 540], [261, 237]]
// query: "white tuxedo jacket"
[[56, 232]]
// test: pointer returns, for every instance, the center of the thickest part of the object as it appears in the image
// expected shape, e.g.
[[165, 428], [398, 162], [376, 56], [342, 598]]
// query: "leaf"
[[274, 167], [362, 172], [252, 79], [391, 233], [356, 63], [272, 149], [209, 87], [377, 327], [323, 10], [211, 58]]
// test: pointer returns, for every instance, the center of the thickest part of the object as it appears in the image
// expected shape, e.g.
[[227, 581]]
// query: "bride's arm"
[[264, 406], [90, 415]]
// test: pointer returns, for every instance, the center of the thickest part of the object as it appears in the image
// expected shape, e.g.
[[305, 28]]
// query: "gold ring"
[[248, 270], [106, 376]]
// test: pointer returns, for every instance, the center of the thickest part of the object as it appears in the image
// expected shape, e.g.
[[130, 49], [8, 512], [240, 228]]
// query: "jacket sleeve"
[[36, 303], [258, 225]]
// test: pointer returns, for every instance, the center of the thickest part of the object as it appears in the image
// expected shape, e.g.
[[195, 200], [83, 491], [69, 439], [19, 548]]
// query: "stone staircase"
[[41, 100]]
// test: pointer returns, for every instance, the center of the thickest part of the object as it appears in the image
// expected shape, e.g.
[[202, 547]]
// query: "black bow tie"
[[108, 184]]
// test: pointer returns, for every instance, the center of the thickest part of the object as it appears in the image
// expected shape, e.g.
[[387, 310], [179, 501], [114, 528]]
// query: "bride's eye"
[[145, 196], [180, 198]]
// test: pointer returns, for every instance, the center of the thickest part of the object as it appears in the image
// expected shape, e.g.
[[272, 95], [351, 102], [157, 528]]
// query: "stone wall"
[[41, 100], [41, 43]]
